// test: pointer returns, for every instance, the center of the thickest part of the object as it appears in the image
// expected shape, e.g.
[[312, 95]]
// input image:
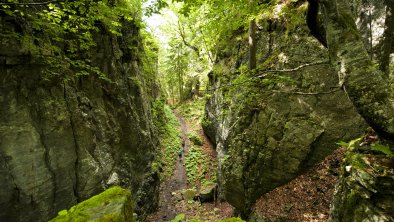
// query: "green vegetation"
[[169, 131], [196, 140], [179, 218], [200, 168], [193, 110], [182, 217], [63, 32], [232, 219], [196, 162], [383, 149], [113, 204]]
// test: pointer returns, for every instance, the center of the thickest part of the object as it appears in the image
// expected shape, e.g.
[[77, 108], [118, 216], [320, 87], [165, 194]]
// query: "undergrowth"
[[193, 110], [200, 168], [169, 131], [197, 165]]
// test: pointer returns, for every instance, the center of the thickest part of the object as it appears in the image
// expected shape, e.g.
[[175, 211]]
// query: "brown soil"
[[306, 198]]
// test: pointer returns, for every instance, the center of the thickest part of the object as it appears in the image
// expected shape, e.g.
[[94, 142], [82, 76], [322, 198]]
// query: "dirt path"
[[171, 200], [178, 181]]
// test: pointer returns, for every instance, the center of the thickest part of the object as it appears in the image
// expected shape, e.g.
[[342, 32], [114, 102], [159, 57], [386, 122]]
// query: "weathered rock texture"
[[365, 191], [114, 205], [270, 126], [63, 141]]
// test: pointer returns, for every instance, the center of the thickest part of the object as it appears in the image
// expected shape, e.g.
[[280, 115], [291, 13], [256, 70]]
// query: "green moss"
[[232, 219], [113, 204], [168, 127], [357, 161], [196, 140], [345, 19], [179, 217], [350, 205]]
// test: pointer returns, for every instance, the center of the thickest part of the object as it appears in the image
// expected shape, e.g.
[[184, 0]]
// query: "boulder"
[[113, 205], [271, 128], [365, 190], [189, 194], [208, 192]]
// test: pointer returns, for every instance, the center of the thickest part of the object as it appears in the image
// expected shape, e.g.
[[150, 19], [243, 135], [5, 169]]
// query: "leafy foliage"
[[382, 149], [196, 140], [61, 33], [168, 127], [179, 217]]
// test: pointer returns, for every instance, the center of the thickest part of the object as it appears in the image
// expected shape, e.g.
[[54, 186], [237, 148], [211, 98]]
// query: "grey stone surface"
[[63, 141], [365, 190], [267, 131]]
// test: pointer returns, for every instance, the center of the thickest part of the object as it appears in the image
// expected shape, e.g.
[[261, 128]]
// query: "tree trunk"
[[364, 84], [252, 45], [388, 39]]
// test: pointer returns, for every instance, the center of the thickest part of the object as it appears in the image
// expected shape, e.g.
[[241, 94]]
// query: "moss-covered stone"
[[65, 141], [189, 194], [208, 192], [365, 191], [268, 130], [113, 205]]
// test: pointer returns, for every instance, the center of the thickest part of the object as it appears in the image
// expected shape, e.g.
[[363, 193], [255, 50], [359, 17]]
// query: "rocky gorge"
[[88, 93], [63, 141]]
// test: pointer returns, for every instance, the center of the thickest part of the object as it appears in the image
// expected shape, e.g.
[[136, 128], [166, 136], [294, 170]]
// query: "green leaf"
[[382, 149]]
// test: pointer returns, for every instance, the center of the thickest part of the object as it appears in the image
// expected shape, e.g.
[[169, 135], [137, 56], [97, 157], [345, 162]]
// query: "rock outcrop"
[[365, 191], [271, 124], [65, 140], [114, 205]]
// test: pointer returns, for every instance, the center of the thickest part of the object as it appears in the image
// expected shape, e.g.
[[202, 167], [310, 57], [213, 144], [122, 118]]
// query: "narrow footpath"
[[178, 181], [172, 202]]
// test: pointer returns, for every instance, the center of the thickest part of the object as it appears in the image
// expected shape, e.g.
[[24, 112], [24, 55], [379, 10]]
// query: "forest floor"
[[188, 176], [307, 197]]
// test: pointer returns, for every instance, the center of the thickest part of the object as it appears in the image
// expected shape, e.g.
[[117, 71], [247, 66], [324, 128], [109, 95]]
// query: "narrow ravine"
[[173, 201], [178, 181]]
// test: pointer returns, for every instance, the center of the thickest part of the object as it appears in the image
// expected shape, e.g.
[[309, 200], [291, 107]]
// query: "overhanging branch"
[[181, 33], [31, 3]]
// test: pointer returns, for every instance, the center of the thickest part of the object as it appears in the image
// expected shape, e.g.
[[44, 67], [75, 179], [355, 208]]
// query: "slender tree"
[[388, 39], [362, 81]]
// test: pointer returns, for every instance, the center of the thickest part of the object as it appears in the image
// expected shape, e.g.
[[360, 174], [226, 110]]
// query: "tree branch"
[[308, 93], [31, 3], [293, 69], [180, 29], [266, 73]]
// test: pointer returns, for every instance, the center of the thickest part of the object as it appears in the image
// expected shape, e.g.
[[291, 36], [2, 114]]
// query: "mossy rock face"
[[113, 205], [265, 132], [64, 138], [365, 191]]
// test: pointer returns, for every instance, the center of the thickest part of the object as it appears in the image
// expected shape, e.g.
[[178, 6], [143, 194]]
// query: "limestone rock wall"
[[63, 141], [270, 126], [365, 191]]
